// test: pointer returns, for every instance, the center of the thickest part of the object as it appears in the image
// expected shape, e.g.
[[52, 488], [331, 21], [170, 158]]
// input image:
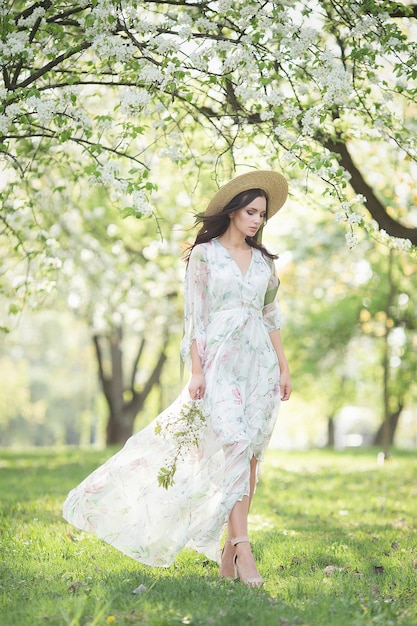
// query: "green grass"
[[311, 510]]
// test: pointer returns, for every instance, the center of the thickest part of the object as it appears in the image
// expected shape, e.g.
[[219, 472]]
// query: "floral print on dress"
[[230, 315]]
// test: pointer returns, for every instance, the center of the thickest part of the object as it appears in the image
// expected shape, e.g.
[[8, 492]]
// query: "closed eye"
[[263, 215]]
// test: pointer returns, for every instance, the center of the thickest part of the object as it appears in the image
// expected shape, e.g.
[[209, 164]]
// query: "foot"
[[245, 564], [227, 569]]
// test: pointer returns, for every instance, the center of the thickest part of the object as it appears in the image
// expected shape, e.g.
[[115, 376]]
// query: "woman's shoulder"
[[263, 258], [202, 250]]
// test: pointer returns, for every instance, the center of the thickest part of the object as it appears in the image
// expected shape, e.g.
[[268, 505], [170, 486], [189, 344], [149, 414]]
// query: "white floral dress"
[[229, 314]]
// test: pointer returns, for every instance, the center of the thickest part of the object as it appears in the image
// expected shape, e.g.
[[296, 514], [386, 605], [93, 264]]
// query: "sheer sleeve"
[[195, 303], [271, 311]]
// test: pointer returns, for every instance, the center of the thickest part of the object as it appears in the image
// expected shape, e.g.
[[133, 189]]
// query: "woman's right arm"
[[197, 384], [195, 318]]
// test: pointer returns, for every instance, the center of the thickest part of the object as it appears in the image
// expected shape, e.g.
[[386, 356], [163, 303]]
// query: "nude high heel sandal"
[[254, 581]]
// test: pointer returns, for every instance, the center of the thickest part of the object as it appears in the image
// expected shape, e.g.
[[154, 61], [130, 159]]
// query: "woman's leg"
[[238, 527], [227, 568]]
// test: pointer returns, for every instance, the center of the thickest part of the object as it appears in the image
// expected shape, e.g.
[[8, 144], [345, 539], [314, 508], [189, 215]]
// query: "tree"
[[124, 285], [103, 92], [92, 85], [349, 322], [389, 316]]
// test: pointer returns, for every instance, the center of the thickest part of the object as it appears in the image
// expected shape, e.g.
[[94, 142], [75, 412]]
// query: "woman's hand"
[[285, 385], [197, 386]]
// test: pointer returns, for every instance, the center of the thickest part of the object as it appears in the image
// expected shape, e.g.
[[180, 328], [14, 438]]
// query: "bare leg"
[[252, 482], [238, 527], [227, 569]]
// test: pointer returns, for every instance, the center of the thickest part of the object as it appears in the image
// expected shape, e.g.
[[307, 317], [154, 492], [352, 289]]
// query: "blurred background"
[[117, 134], [99, 357]]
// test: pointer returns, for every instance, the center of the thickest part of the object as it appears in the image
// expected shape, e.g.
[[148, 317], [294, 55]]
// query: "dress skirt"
[[229, 315]]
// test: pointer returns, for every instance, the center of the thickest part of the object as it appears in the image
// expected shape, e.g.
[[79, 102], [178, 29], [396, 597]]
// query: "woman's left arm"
[[285, 379]]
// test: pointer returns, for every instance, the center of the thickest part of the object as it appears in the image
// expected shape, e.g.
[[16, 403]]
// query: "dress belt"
[[238, 311]]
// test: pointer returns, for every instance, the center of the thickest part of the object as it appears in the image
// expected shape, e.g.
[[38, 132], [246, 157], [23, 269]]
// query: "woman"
[[238, 371]]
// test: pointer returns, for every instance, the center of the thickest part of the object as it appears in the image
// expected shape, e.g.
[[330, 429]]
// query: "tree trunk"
[[386, 436], [330, 433], [387, 429], [122, 412], [120, 425]]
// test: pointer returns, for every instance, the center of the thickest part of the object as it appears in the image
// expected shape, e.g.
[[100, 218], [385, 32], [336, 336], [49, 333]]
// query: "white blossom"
[[300, 42], [45, 109], [107, 173], [310, 122], [32, 18], [53, 263], [274, 97], [107, 47], [359, 199], [150, 74], [266, 115], [141, 204], [204, 25], [199, 61], [5, 123], [351, 240], [163, 45], [16, 43], [354, 218], [225, 5], [364, 25], [401, 244], [133, 101]]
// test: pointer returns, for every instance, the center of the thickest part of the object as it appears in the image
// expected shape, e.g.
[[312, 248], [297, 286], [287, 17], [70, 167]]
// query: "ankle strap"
[[237, 540]]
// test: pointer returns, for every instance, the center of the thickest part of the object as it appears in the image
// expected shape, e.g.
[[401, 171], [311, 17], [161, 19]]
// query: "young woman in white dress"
[[239, 373]]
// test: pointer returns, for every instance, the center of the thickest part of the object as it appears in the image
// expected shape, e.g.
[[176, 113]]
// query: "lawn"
[[334, 533]]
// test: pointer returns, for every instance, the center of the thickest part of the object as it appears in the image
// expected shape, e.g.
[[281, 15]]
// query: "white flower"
[[133, 101], [345, 206], [354, 218], [225, 5], [5, 123], [106, 46], [340, 216], [401, 244], [274, 97], [45, 109], [359, 199], [310, 122], [150, 74], [185, 429], [351, 240], [107, 173], [204, 25], [31, 19], [16, 43], [163, 45], [141, 204], [266, 115]]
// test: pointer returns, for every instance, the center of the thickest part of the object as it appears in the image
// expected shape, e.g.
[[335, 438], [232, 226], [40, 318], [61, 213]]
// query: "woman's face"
[[250, 218]]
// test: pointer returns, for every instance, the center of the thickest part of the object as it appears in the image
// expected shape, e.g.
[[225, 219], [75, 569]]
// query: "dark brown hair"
[[217, 224]]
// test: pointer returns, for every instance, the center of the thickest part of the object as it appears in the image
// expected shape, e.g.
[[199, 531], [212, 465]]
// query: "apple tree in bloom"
[[99, 93], [94, 87]]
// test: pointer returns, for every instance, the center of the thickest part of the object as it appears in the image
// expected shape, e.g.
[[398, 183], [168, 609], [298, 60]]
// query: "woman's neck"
[[233, 240]]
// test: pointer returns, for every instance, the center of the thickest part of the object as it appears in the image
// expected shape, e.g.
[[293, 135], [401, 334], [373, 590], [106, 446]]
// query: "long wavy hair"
[[213, 226]]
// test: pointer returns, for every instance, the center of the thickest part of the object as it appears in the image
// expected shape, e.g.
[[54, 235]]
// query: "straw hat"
[[273, 184]]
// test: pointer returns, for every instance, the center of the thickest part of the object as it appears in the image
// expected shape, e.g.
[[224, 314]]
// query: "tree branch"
[[373, 204], [139, 398], [136, 362], [49, 66]]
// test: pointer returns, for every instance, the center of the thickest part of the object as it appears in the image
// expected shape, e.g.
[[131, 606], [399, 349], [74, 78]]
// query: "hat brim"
[[272, 183]]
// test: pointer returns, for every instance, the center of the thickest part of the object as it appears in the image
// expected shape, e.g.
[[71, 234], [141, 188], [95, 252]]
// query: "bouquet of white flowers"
[[186, 429]]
